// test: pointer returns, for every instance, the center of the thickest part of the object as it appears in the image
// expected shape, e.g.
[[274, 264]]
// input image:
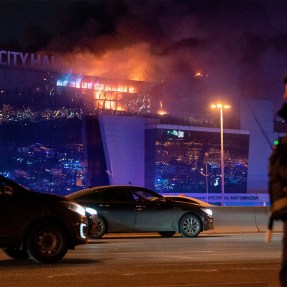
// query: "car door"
[[153, 212], [115, 206], [118, 209]]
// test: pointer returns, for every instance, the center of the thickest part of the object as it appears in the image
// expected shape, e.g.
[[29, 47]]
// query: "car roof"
[[103, 187]]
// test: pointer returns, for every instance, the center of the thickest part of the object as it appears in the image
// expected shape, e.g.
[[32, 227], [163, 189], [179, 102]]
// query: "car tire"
[[190, 225], [167, 233], [101, 229], [16, 253], [47, 243]]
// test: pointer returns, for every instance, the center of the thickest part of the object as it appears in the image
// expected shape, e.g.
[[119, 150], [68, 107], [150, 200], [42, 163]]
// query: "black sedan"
[[137, 209], [37, 225]]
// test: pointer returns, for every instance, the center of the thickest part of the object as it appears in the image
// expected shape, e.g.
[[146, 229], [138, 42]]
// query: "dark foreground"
[[148, 260]]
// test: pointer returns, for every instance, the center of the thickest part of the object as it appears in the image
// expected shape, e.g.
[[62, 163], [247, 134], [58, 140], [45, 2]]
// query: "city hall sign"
[[12, 58]]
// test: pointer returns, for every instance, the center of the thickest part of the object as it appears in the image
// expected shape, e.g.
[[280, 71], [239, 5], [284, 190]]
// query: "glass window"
[[84, 85], [114, 195], [93, 196], [144, 195]]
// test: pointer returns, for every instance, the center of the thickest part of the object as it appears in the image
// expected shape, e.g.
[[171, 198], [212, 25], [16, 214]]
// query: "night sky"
[[239, 47]]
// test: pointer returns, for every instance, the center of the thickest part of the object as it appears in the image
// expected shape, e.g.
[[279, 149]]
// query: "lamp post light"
[[221, 107]]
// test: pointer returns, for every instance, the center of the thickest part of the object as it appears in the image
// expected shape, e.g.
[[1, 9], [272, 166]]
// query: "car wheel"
[[100, 230], [47, 243], [167, 233], [16, 253], [190, 225]]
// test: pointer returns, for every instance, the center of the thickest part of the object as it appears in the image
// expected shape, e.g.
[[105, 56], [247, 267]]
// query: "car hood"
[[186, 205]]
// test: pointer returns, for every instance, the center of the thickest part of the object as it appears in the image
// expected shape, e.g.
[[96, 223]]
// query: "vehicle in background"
[[38, 225], [137, 209]]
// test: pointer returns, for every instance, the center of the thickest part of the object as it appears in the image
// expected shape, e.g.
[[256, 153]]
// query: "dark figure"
[[283, 271]]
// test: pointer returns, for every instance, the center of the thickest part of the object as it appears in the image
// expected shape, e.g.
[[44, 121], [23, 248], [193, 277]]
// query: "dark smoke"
[[238, 46]]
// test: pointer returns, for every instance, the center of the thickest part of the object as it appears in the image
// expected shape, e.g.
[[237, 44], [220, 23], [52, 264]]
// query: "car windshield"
[[183, 199]]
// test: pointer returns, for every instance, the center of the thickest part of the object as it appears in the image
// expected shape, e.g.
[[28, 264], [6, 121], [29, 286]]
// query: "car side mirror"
[[8, 190]]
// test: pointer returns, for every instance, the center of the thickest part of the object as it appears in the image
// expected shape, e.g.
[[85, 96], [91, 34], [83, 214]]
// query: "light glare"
[[220, 106]]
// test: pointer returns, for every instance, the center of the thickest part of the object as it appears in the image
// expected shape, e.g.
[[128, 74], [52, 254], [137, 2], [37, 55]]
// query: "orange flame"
[[133, 63]]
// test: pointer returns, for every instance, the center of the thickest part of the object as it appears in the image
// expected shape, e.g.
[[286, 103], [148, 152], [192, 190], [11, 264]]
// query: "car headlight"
[[91, 210], [207, 210], [75, 207]]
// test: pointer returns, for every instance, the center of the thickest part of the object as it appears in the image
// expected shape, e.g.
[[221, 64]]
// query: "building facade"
[[63, 132]]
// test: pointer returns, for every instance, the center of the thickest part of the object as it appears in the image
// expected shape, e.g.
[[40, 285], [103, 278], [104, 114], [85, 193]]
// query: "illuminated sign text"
[[11, 58]]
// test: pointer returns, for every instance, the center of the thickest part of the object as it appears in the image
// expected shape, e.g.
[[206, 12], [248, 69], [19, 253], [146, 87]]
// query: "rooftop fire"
[[109, 94]]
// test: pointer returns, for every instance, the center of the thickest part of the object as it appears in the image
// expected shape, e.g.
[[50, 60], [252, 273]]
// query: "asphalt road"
[[243, 260]]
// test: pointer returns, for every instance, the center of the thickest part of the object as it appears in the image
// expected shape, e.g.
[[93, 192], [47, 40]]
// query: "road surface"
[[242, 260]]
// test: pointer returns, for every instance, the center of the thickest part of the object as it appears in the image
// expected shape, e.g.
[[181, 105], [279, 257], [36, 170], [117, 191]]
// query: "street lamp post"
[[221, 107], [206, 180]]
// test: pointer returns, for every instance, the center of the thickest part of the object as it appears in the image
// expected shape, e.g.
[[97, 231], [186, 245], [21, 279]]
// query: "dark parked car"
[[37, 225], [137, 209]]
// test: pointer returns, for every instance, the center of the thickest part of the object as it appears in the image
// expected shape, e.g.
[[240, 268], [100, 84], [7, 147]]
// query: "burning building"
[[95, 93], [61, 132], [36, 83]]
